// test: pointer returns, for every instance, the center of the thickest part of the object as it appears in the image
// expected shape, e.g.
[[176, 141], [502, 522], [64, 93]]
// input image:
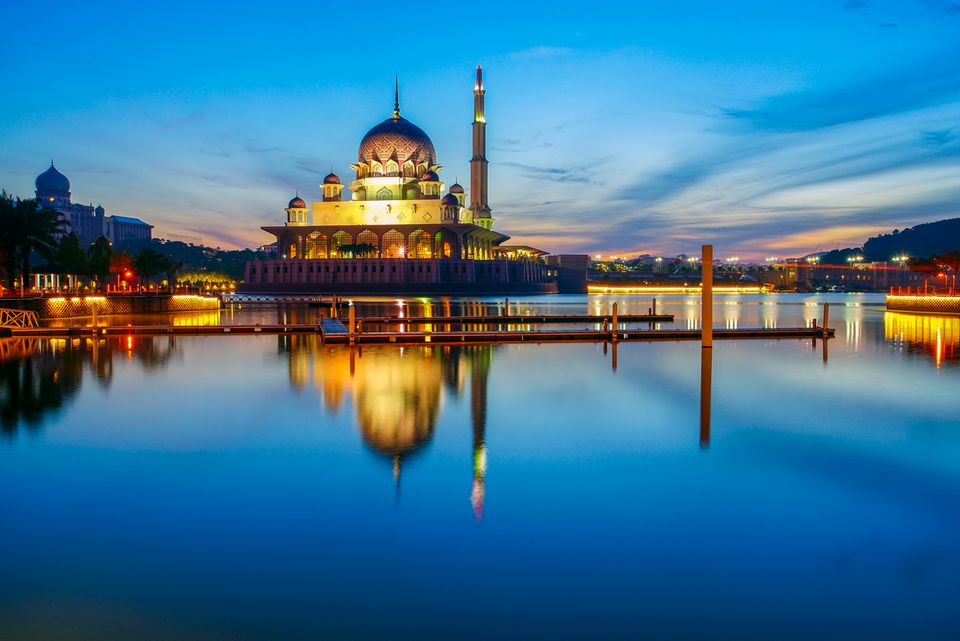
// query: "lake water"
[[267, 487]]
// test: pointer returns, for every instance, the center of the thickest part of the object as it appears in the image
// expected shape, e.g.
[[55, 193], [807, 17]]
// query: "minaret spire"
[[478, 163], [396, 97]]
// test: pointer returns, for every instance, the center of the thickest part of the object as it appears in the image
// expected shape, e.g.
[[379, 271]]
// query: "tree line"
[[30, 234]]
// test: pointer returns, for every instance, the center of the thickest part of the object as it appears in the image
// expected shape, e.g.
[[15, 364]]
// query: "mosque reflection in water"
[[397, 393], [40, 377]]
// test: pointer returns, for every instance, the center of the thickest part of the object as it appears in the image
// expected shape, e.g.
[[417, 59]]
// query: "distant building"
[[120, 228], [88, 222]]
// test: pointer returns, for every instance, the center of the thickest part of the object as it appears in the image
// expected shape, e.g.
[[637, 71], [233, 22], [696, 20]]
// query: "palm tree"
[[24, 230]]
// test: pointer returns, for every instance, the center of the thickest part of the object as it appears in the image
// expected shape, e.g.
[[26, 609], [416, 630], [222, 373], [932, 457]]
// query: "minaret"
[[478, 164]]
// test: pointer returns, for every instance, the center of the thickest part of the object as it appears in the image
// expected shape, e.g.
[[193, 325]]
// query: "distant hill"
[[922, 241], [196, 258]]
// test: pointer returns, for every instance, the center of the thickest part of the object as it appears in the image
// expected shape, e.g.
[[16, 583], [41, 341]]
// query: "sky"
[[765, 128]]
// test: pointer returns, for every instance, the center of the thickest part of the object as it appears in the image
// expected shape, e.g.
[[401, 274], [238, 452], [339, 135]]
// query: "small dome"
[[297, 203], [99, 210], [52, 181], [430, 177], [449, 201], [331, 179], [456, 188]]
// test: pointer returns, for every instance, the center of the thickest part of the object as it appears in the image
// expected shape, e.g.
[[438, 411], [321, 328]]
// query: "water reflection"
[[706, 393], [397, 394], [936, 337], [39, 377]]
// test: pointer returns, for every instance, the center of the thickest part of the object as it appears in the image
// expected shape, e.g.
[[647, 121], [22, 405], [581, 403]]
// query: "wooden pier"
[[524, 319], [335, 332]]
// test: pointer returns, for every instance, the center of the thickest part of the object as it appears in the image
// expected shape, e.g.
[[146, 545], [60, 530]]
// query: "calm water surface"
[[270, 488]]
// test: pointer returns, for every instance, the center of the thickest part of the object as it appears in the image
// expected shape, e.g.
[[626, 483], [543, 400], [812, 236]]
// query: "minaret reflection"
[[397, 393], [479, 372]]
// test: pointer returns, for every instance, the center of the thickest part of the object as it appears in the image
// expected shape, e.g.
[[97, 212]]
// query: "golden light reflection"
[[936, 336], [397, 394]]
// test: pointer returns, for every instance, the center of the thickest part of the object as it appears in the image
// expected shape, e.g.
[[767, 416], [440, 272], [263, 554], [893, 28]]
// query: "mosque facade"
[[401, 229]]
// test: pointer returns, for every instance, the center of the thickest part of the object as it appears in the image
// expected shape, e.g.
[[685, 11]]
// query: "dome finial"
[[396, 97]]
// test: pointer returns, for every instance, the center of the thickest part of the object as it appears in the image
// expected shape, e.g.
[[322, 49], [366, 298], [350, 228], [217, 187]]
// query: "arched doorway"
[[393, 245], [419, 245]]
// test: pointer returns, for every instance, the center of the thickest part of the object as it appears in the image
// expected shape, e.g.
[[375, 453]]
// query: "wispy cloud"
[[925, 83]]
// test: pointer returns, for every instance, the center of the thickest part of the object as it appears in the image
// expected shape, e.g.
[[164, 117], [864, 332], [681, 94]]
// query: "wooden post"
[[706, 296], [654, 306], [615, 323], [826, 318], [506, 307], [351, 316]]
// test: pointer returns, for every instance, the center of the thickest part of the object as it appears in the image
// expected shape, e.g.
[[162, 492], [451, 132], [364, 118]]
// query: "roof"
[[128, 220], [525, 249]]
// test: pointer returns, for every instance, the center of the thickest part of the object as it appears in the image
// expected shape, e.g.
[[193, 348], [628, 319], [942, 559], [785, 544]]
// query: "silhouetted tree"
[[70, 257], [149, 263], [99, 260], [923, 266], [951, 261], [25, 230]]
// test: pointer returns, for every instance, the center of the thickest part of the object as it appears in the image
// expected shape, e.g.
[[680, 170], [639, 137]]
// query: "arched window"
[[412, 193], [338, 240], [408, 169], [292, 253], [385, 194], [393, 245], [443, 242], [392, 168], [418, 245], [367, 244], [376, 169], [316, 246]]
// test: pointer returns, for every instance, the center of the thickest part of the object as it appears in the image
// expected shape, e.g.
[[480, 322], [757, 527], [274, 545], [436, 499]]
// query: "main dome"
[[399, 139], [52, 181]]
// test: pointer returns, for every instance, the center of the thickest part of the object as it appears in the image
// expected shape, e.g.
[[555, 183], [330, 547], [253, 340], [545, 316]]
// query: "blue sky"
[[765, 128]]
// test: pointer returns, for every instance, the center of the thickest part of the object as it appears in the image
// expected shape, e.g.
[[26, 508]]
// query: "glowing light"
[[677, 289]]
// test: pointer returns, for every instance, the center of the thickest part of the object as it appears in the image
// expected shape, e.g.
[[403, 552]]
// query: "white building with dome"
[[401, 229]]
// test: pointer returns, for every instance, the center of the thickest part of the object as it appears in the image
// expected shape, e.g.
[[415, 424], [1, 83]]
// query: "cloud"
[[925, 83], [584, 173], [948, 7]]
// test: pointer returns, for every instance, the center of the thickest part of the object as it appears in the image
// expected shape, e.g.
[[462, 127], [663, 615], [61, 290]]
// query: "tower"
[[478, 163]]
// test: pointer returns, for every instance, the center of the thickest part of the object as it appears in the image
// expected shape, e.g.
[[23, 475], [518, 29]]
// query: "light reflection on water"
[[268, 487]]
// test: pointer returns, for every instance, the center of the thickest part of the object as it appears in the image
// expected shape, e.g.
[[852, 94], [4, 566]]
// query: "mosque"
[[402, 230]]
